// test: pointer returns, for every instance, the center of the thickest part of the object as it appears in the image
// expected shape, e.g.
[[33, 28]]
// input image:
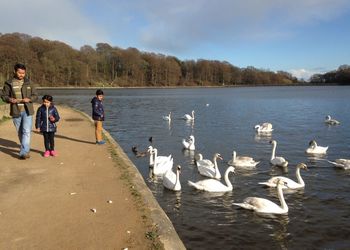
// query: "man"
[[21, 94]]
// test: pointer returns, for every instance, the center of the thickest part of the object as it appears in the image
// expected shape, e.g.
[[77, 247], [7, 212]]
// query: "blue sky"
[[300, 36]]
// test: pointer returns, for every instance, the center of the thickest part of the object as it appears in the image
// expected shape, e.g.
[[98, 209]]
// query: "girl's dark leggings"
[[49, 140]]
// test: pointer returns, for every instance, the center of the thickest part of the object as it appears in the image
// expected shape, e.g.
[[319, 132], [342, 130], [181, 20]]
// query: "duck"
[[341, 163], [242, 161], [189, 117], [265, 127], [171, 180], [208, 168], [277, 160], [331, 121], [272, 182], [189, 143], [314, 149], [167, 117], [265, 206], [212, 185], [137, 152]]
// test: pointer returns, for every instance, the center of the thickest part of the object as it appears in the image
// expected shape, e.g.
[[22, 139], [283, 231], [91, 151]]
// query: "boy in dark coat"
[[98, 115]]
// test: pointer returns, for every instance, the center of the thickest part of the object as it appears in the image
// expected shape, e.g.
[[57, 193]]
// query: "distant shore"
[[194, 87]]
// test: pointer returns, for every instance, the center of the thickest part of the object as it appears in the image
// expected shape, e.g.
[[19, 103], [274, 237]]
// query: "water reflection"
[[263, 138], [189, 154]]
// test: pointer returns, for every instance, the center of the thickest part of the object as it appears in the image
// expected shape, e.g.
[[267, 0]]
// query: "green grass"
[[5, 118], [1, 102]]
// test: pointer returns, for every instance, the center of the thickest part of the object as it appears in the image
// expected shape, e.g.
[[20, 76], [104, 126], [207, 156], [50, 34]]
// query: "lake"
[[319, 215]]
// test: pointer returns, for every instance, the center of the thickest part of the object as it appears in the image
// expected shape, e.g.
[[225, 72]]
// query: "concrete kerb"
[[167, 233]]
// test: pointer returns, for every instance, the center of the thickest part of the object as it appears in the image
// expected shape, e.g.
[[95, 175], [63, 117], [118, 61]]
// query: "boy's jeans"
[[23, 125]]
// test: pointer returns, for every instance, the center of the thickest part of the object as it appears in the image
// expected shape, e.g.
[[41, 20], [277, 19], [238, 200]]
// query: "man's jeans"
[[24, 127]]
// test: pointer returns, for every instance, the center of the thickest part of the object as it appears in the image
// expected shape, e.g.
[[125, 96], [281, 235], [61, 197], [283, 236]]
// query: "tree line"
[[54, 63], [339, 76]]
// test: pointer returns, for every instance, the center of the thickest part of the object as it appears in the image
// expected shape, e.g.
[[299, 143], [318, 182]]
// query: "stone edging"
[[167, 233]]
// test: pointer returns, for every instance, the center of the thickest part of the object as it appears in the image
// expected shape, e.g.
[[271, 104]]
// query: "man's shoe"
[[24, 157]]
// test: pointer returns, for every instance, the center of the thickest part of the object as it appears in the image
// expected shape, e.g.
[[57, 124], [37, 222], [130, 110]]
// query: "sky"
[[302, 37]]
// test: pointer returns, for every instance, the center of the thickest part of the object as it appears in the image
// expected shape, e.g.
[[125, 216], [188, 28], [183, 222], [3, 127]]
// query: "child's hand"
[[51, 118]]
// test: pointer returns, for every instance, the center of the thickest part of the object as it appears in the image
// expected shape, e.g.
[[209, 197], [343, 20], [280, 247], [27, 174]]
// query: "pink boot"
[[53, 153], [47, 153]]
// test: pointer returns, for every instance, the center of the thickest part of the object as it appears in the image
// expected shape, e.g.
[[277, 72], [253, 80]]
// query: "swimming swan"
[[261, 205], [315, 149], [212, 185], [272, 182], [265, 127], [341, 163], [277, 160], [331, 121], [242, 161], [160, 164], [171, 180], [189, 117], [189, 143], [208, 168], [167, 117]]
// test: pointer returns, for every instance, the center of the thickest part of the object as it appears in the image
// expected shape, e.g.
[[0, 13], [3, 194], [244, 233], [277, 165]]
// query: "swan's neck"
[[177, 181], [155, 154], [216, 167], [192, 115], [233, 156], [227, 180], [151, 161], [284, 205], [300, 180], [273, 151]]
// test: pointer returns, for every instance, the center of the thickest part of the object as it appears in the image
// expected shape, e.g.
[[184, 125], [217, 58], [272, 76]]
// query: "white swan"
[[171, 180], [331, 121], [212, 185], [189, 143], [154, 156], [272, 182], [341, 163], [265, 127], [315, 149], [208, 168], [161, 164], [277, 160], [265, 206], [167, 117], [189, 117], [242, 161]]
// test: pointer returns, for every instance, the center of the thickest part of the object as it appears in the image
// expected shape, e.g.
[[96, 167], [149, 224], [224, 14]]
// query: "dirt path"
[[45, 203]]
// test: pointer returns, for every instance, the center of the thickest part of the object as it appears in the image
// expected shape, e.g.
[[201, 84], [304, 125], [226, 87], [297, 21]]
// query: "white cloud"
[[182, 24], [50, 19], [307, 73]]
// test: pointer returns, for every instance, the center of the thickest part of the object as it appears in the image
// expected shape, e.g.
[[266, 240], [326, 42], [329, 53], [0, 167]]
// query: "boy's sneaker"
[[47, 153], [53, 153], [100, 142]]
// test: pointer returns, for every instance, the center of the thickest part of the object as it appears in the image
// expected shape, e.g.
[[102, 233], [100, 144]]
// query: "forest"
[[340, 76], [56, 64]]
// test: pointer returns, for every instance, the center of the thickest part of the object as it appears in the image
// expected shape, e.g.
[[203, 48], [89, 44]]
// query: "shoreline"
[[167, 233], [195, 87], [57, 195]]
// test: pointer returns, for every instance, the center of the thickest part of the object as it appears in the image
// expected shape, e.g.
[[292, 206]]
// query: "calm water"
[[319, 216]]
